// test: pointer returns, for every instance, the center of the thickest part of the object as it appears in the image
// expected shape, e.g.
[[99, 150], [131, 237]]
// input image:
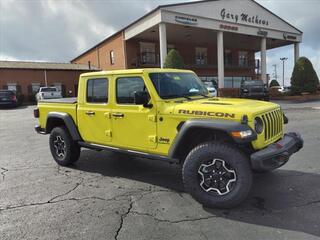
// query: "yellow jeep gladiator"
[[168, 115]]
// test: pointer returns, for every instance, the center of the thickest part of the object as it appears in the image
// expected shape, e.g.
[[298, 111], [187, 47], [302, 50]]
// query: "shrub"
[[274, 83], [304, 78], [173, 60]]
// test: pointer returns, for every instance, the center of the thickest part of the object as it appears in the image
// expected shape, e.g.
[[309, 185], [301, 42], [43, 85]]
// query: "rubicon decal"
[[205, 113]]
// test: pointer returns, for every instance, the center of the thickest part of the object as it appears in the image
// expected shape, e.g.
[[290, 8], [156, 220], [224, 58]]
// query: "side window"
[[111, 55], [126, 87], [97, 90]]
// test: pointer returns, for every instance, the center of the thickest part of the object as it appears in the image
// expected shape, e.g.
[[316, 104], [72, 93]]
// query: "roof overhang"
[[244, 17]]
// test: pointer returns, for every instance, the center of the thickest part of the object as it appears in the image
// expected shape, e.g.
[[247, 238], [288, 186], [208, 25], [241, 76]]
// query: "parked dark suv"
[[254, 89], [8, 98]]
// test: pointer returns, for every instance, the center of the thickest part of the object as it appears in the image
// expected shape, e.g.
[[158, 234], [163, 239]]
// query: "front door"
[[94, 114], [133, 125]]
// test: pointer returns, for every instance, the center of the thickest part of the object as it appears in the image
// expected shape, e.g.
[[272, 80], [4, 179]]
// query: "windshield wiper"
[[177, 96], [200, 94], [203, 95]]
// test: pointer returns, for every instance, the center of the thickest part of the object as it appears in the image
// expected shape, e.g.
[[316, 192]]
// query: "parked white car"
[[48, 93], [211, 89]]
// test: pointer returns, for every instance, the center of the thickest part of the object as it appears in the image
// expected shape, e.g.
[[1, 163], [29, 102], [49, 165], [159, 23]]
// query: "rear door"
[[94, 114]]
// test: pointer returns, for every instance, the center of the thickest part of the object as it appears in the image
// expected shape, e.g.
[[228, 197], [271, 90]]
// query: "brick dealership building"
[[27, 77], [218, 39]]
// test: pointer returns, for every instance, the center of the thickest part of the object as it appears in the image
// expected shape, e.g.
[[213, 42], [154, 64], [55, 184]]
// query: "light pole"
[[283, 59], [275, 72]]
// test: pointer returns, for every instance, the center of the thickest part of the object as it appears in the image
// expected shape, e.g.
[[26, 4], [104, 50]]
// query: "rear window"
[[97, 90], [6, 93], [48, 89]]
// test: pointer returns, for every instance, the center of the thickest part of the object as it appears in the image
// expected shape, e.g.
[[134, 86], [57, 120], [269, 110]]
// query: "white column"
[[264, 59], [220, 59], [296, 52], [163, 43]]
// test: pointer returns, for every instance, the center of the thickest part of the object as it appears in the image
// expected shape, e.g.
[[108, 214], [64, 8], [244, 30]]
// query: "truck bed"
[[71, 100], [64, 105]]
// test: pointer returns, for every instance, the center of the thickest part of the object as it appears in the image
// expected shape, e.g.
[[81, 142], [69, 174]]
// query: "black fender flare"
[[68, 121], [220, 125]]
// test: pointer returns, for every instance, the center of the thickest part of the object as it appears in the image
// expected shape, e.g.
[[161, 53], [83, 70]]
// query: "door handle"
[[90, 113], [118, 115]]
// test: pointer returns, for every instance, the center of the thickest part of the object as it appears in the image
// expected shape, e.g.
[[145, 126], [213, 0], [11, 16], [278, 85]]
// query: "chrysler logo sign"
[[186, 20], [243, 18]]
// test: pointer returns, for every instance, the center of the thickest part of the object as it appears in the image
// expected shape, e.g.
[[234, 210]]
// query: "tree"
[[304, 78], [274, 83], [173, 60]]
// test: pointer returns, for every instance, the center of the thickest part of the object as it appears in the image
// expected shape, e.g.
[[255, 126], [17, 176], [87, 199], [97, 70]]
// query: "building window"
[[35, 87], [147, 53], [228, 57], [243, 58], [12, 86], [201, 56], [111, 55], [126, 87], [97, 90]]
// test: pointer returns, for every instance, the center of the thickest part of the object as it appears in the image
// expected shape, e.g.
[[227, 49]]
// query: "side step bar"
[[131, 152]]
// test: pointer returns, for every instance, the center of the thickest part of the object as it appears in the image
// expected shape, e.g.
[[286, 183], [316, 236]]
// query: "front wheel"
[[63, 149], [217, 175]]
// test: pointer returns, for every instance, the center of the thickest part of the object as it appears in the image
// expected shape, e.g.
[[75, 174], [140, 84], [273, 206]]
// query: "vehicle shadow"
[[283, 199], [126, 166]]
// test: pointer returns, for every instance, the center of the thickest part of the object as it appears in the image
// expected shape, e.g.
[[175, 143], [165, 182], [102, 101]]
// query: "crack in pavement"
[[176, 221], [3, 172], [122, 217], [57, 201], [69, 191]]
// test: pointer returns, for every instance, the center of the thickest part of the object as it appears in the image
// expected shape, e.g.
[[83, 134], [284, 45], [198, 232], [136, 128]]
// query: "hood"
[[227, 108]]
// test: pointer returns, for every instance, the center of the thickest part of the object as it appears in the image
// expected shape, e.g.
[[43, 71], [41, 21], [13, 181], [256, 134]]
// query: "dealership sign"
[[289, 37], [186, 20], [243, 18]]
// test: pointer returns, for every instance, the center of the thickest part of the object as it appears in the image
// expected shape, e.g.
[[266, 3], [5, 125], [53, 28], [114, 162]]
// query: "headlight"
[[258, 125], [245, 90]]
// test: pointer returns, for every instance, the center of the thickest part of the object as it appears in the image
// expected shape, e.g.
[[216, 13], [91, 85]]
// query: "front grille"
[[273, 124]]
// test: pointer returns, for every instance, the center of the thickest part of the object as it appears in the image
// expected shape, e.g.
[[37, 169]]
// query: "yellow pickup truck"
[[168, 115]]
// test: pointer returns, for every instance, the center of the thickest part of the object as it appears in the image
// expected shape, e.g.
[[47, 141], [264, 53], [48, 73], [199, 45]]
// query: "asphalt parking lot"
[[111, 196]]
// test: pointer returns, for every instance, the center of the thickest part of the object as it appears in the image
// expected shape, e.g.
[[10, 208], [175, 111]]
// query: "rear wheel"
[[217, 175], [64, 150]]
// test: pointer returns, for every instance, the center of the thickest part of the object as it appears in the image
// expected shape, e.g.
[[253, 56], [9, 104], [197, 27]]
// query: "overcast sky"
[[59, 30]]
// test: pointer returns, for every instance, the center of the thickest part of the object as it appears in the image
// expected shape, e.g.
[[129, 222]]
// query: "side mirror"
[[142, 98]]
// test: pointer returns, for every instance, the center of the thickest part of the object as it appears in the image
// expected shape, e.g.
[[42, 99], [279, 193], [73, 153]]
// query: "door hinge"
[[152, 138], [152, 118], [108, 133]]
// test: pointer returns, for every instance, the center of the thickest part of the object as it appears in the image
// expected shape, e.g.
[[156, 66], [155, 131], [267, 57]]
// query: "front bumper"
[[277, 154]]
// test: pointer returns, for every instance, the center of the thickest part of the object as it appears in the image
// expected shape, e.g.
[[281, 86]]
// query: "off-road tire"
[[232, 156], [71, 149]]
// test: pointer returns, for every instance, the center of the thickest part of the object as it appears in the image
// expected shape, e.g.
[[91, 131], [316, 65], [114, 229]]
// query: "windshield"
[[177, 84], [48, 89], [6, 93]]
